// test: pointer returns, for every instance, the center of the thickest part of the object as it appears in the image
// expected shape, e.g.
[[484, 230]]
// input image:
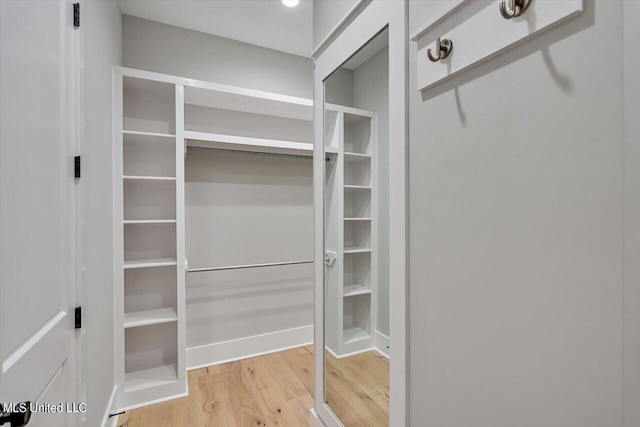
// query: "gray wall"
[[326, 15], [162, 48], [102, 28], [371, 92], [516, 233], [340, 89], [246, 209]]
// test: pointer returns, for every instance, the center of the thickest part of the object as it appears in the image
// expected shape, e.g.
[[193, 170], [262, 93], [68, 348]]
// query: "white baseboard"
[[113, 421], [314, 421], [243, 348], [382, 344]]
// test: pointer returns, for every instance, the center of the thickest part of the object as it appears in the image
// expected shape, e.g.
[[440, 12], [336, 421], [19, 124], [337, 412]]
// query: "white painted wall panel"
[[516, 233]]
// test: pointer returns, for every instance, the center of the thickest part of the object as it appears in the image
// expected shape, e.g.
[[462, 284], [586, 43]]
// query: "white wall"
[[516, 210], [166, 49], [371, 92], [327, 14], [102, 27]]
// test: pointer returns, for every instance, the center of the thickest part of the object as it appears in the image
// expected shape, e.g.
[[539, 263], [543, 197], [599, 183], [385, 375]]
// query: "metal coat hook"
[[444, 48], [514, 9]]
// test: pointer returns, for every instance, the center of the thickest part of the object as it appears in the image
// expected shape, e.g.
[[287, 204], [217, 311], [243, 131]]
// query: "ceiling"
[[266, 23]]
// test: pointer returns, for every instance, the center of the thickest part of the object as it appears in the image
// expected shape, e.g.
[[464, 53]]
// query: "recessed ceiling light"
[[290, 3]]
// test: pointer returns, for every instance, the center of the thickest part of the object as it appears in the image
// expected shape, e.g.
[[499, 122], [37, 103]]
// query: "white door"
[[38, 138]]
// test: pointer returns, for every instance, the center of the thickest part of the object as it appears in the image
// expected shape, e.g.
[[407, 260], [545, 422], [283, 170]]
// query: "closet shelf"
[[149, 317], [356, 156], [148, 178], [150, 134], [331, 150], [355, 290], [149, 221], [357, 187], [233, 142], [215, 95], [353, 334], [356, 250], [357, 219], [148, 378], [149, 263]]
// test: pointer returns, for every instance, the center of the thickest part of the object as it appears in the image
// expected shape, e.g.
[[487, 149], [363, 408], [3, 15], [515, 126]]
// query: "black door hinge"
[[78, 315], [76, 15], [76, 167]]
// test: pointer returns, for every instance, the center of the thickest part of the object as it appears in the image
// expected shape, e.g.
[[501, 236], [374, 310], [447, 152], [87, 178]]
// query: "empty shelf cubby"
[[149, 106], [149, 241], [147, 154], [356, 319], [357, 235], [150, 356], [357, 202], [357, 134], [149, 199]]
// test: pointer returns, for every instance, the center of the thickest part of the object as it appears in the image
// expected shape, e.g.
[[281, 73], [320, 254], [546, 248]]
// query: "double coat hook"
[[443, 47], [514, 9]]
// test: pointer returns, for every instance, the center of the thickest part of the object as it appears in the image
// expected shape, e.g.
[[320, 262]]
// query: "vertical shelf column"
[[149, 261]]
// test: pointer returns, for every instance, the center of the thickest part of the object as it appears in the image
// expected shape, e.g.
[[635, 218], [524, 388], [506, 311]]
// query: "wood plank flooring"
[[357, 389], [274, 390]]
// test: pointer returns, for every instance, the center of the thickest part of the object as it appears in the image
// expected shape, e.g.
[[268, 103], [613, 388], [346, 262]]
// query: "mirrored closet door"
[[356, 235]]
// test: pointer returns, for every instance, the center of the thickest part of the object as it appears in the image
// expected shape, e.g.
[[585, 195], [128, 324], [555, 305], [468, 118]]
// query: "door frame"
[[374, 17], [631, 209]]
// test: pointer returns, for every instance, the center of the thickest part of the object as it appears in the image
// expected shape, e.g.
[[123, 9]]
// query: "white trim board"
[[244, 348], [382, 344], [113, 421], [314, 421], [339, 27]]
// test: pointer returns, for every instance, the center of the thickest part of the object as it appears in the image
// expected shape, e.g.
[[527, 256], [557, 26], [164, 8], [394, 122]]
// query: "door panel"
[[37, 211]]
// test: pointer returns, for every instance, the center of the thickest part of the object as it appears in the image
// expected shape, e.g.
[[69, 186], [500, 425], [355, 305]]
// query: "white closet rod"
[[237, 267], [255, 153]]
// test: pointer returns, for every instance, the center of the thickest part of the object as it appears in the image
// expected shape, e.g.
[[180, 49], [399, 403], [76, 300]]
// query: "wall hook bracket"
[[514, 9], [443, 47]]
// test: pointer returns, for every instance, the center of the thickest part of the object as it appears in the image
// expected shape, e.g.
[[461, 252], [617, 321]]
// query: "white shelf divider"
[[150, 317], [355, 290], [149, 263], [353, 334], [149, 134], [149, 221], [148, 178], [244, 142]]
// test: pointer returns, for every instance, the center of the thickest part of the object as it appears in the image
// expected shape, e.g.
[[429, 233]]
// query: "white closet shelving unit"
[[150, 142], [350, 210]]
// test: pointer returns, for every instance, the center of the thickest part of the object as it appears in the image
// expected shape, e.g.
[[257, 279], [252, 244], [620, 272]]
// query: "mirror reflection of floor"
[[358, 389]]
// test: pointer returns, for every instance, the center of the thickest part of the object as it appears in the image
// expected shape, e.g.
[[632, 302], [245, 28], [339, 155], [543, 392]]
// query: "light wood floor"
[[357, 389], [274, 390]]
